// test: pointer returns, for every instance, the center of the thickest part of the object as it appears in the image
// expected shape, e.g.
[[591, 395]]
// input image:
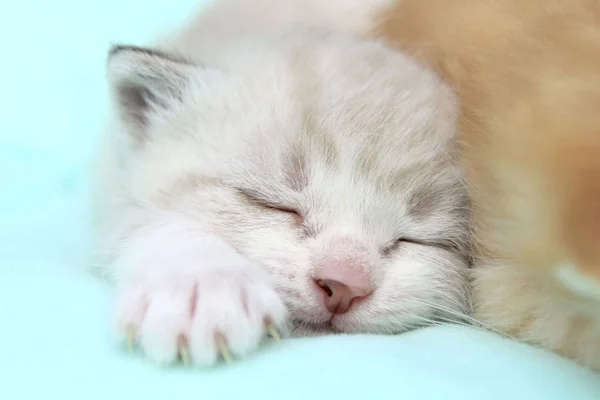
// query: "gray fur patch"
[[296, 169]]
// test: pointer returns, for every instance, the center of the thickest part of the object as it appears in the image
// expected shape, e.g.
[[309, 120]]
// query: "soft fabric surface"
[[54, 340]]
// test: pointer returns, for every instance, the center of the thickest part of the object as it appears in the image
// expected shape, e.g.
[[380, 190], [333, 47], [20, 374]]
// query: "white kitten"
[[297, 177]]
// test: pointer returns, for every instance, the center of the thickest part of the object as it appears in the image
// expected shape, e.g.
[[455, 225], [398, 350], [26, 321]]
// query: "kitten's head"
[[328, 160]]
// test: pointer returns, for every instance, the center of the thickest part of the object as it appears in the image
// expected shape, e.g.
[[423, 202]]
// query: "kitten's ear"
[[144, 82]]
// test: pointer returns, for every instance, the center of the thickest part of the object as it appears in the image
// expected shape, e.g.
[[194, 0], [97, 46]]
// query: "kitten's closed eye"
[[395, 245], [261, 201], [297, 217]]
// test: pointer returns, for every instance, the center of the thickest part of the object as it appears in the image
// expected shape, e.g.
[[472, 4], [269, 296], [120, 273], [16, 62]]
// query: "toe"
[[131, 309], [230, 317], [167, 320], [270, 306]]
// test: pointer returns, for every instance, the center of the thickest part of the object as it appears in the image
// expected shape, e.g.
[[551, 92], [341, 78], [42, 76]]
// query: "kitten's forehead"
[[356, 106], [313, 108]]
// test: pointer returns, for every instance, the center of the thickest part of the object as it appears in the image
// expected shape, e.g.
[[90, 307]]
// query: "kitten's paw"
[[199, 315]]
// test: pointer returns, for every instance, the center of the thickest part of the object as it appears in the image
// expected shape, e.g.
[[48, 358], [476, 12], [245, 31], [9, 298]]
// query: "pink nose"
[[339, 297]]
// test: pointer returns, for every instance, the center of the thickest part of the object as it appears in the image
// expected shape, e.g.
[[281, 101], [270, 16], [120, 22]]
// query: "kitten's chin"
[[335, 325], [307, 329]]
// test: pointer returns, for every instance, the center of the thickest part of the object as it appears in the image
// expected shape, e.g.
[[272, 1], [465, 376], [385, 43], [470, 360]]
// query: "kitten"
[[528, 78], [287, 177]]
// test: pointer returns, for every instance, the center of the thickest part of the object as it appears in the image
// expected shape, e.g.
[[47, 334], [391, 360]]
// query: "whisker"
[[472, 321], [447, 322]]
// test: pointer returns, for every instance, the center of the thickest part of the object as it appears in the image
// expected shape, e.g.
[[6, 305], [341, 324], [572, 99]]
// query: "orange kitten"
[[528, 75]]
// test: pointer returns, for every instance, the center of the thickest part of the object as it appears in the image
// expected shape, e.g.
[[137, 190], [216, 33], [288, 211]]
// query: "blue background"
[[54, 339]]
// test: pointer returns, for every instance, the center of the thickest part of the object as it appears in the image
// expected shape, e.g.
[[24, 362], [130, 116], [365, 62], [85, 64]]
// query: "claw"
[[184, 352], [272, 331], [130, 339], [223, 349]]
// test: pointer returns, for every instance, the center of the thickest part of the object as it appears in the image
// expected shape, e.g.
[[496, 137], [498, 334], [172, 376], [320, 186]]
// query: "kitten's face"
[[323, 158]]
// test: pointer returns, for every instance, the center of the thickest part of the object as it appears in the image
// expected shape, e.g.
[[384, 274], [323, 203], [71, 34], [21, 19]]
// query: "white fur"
[[173, 265], [570, 276], [374, 131]]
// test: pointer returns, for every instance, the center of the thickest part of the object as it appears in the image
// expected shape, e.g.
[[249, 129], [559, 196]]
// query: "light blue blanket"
[[54, 340]]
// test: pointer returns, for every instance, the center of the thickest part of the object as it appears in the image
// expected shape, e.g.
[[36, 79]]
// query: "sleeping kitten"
[[528, 78], [271, 177]]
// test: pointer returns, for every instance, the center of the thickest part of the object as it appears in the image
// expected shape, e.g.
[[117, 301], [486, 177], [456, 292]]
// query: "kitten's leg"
[[183, 290]]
